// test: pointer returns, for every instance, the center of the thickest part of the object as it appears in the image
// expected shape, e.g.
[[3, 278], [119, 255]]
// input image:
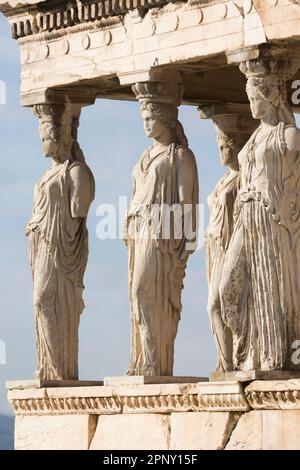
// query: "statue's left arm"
[[187, 179], [292, 139], [186, 176], [80, 193]]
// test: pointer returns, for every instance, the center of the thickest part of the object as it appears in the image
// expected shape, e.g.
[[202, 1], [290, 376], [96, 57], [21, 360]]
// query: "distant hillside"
[[6, 432]]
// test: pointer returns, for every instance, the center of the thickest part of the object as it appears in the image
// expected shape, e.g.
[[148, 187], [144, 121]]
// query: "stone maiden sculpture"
[[233, 131], [166, 175], [58, 243], [260, 291]]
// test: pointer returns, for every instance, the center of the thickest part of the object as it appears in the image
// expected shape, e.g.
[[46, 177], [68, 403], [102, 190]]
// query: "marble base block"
[[248, 376], [196, 416], [148, 379], [27, 384]]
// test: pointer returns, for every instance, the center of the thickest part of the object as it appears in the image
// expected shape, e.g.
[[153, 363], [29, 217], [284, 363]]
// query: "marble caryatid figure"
[[159, 244], [233, 131], [58, 242], [260, 286]]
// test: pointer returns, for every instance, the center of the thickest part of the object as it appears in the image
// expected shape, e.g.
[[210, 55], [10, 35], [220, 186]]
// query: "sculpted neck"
[[234, 168], [163, 140], [270, 120], [56, 164], [60, 157]]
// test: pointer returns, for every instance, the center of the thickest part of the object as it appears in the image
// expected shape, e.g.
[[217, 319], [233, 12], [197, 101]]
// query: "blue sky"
[[112, 138]]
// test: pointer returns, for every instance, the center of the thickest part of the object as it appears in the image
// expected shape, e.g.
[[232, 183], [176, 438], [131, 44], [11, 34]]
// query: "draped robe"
[[58, 251], [156, 264]]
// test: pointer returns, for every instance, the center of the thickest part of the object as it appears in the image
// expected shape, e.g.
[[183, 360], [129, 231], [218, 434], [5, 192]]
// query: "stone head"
[[55, 129]]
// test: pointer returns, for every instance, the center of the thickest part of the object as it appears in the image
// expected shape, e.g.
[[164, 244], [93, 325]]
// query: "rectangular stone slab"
[[132, 432], [274, 395], [54, 432], [247, 376], [206, 430], [144, 380], [25, 384]]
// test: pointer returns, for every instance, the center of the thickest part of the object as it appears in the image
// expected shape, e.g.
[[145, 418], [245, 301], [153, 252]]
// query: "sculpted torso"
[[256, 160]]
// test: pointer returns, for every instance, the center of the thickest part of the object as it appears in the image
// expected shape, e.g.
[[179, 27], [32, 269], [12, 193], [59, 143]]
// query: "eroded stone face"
[[149, 431], [248, 434], [54, 432], [203, 431]]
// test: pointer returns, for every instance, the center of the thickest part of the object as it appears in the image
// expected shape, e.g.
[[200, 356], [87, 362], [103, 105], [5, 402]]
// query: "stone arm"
[[80, 193], [125, 222], [187, 179], [186, 176], [292, 138]]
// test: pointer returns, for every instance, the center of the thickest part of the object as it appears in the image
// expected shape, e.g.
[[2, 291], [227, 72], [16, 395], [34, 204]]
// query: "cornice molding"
[[33, 19]]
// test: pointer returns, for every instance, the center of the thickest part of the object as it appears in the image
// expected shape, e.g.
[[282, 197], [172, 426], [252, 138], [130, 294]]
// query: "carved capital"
[[159, 86], [270, 68]]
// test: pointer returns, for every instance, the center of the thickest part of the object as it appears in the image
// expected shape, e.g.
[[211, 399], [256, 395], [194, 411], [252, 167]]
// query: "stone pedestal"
[[31, 384], [151, 379], [250, 375], [207, 415]]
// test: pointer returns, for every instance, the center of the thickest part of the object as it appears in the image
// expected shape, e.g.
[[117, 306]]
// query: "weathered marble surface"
[[259, 288], [173, 416], [54, 432], [156, 398], [233, 131], [151, 379], [58, 242], [274, 394], [160, 227], [209, 430], [31, 384], [249, 375], [59, 49]]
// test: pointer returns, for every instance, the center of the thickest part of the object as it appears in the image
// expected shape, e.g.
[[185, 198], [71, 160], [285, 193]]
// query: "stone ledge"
[[274, 395], [251, 375], [157, 398], [207, 415], [38, 383], [103, 400], [151, 379]]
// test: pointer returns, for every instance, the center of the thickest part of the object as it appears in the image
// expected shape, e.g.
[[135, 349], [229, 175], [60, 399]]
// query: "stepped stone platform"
[[205, 415]]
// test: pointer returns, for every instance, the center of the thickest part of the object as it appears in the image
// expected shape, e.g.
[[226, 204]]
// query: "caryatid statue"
[[58, 242], [165, 181], [260, 286], [233, 131]]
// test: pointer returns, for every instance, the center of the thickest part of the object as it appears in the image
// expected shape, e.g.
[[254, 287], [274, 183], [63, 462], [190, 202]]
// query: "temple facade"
[[238, 62]]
